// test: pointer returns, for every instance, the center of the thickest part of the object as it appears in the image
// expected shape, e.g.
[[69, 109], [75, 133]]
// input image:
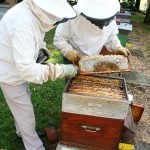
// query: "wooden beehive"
[[93, 112], [96, 96], [90, 132]]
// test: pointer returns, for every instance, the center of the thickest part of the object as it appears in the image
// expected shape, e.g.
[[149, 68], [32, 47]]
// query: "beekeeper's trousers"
[[19, 101]]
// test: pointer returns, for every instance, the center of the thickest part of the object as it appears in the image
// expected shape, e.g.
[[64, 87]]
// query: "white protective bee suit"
[[22, 30], [80, 36]]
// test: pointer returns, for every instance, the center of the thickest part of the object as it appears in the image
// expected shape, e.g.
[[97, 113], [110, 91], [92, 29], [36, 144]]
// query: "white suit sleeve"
[[24, 51], [113, 42], [62, 36]]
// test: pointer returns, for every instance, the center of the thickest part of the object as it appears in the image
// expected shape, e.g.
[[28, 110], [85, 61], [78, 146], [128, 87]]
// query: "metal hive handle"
[[91, 128]]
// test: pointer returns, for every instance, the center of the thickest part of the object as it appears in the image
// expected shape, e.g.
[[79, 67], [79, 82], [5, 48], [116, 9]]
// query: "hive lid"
[[101, 64]]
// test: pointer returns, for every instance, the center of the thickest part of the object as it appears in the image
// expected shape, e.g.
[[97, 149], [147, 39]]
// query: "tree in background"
[[131, 4], [137, 5], [128, 4], [147, 17]]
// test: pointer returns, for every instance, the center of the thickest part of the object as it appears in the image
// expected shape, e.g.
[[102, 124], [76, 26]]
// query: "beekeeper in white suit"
[[22, 30], [93, 28]]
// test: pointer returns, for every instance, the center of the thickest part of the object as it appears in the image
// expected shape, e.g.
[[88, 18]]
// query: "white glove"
[[59, 71], [70, 70], [123, 51], [74, 57]]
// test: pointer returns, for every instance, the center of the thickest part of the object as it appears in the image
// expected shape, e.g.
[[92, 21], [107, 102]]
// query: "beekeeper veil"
[[99, 12], [49, 12]]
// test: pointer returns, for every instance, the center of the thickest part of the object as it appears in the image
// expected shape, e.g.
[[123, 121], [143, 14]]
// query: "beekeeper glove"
[[61, 71], [74, 57], [70, 70], [123, 51]]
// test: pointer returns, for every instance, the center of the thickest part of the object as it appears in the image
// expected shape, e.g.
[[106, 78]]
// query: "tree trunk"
[[147, 17], [148, 3], [137, 5]]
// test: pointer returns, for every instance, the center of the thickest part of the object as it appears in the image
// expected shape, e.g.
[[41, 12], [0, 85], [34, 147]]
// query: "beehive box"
[[96, 96], [90, 132], [124, 30], [93, 112]]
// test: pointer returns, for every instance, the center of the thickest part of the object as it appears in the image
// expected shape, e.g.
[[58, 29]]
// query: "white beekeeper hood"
[[49, 12], [99, 9], [58, 8]]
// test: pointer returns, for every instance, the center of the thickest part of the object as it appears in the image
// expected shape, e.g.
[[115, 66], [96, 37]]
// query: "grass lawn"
[[138, 22], [46, 99]]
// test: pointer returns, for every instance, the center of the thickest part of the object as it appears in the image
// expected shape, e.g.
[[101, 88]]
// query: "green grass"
[[138, 19], [46, 100]]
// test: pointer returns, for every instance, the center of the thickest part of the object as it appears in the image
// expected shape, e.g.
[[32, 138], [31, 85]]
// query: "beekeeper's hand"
[[59, 71], [74, 57], [123, 51], [70, 70]]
